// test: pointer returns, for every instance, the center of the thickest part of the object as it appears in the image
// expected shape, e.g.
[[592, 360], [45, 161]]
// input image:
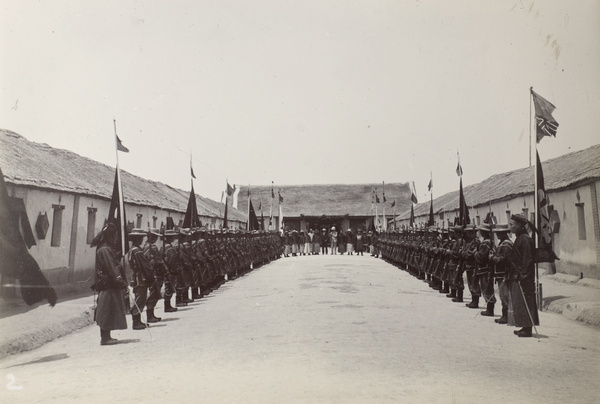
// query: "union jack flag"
[[545, 124]]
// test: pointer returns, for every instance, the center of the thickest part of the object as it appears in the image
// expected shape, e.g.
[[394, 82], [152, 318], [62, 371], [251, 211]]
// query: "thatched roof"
[[560, 173], [40, 166], [329, 200]]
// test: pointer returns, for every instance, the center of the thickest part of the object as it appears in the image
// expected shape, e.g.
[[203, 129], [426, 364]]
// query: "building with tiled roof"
[[571, 181]]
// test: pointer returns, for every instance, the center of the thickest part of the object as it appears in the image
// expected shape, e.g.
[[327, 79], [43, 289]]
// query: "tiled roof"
[[330, 200], [41, 166], [560, 173]]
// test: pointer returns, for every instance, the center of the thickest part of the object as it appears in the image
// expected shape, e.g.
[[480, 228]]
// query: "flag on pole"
[[545, 125], [280, 197], [430, 185], [225, 224], [431, 220], [116, 216], [271, 208], [280, 219], [413, 193], [377, 198], [192, 168], [190, 219], [393, 203], [463, 215], [544, 251], [252, 219], [120, 146], [459, 170], [262, 218], [412, 215], [230, 189]]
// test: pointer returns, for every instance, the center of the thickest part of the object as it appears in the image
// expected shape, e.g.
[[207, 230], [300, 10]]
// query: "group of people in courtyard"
[[480, 257], [193, 262]]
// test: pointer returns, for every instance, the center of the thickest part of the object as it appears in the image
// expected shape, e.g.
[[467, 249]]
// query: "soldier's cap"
[[170, 233], [137, 233], [470, 228], [324, 230], [184, 231], [457, 228], [156, 232], [333, 228], [500, 228], [520, 219]]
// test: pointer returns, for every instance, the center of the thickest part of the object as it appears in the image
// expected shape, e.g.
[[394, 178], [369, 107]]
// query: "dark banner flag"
[[464, 217], [252, 220], [191, 214], [15, 261], [431, 221], [412, 215], [544, 251], [114, 214]]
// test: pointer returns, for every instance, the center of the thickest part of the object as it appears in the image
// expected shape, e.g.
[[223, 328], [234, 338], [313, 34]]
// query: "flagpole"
[[383, 209], [120, 188], [530, 122], [248, 220], [538, 286]]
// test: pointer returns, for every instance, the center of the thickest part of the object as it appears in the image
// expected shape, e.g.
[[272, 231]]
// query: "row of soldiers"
[[445, 258], [190, 264]]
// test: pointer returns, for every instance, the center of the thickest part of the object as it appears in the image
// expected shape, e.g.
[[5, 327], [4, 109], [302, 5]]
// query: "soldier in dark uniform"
[[468, 258], [522, 307], [502, 258], [484, 270], [160, 274], [171, 258], [143, 276]]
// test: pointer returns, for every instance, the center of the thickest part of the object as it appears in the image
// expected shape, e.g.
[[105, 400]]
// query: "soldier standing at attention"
[[173, 267], [143, 276], [159, 270], [522, 306], [110, 283]]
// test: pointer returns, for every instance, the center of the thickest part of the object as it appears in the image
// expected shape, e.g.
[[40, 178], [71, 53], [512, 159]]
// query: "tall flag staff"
[[463, 212], [191, 214], [545, 125], [248, 221], [230, 191], [377, 211], [280, 212], [271, 211], [383, 209], [431, 220], [118, 189], [413, 202], [262, 218], [394, 212]]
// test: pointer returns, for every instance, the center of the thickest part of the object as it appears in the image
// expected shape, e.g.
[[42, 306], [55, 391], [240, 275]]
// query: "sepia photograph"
[[360, 201]]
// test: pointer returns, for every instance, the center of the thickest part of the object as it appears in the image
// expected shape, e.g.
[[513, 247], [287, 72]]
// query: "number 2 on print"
[[11, 383]]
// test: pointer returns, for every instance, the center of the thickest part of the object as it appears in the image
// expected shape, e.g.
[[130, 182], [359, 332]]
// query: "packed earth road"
[[316, 329]]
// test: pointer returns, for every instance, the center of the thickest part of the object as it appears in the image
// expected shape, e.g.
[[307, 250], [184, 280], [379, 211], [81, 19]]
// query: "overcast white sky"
[[304, 92]]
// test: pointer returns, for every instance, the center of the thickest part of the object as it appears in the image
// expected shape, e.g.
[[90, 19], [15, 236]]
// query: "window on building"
[[581, 221], [91, 225], [138, 222], [478, 220], [154, 219], [508, 216], [56, 225]]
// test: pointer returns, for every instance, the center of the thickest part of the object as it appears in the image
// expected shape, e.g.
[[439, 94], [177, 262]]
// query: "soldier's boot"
[[196, 294], [179, 300], [452, 293], [504, 318], [185, 296], [137, 322], [459, 296], [474, 302], [150, 317], [489, 312], [445, 288], [168, 307], [105, 338]]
